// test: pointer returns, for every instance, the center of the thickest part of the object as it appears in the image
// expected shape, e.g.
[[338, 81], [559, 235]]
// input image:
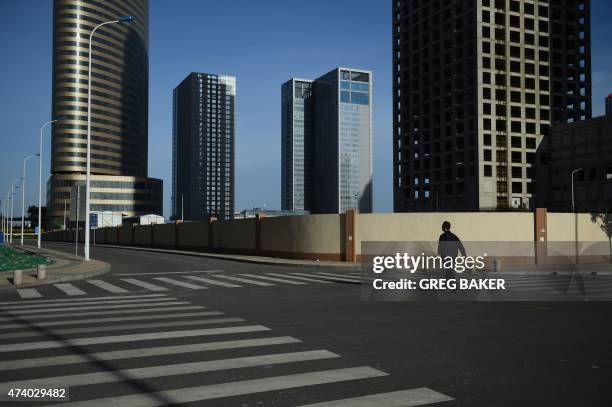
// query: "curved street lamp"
[[124, 19], [13, 188], [40, 176], [23, 186], [573, 200]]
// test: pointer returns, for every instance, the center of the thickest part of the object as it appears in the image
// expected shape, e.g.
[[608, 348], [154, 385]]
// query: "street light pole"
[[76, 232], [13, 187], [40, 158], [7, 206], [124, 19], [23, 186], [3, 217], [64, 214], [573, 198]]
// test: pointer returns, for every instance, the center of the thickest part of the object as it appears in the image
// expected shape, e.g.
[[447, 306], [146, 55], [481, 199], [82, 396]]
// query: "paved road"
[[165, 329]]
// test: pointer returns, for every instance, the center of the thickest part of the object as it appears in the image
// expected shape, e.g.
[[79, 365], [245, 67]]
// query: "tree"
[[604, 221]]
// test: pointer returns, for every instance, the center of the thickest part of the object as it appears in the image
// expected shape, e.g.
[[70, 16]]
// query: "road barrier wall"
[[164, 235], [126, 235], [338, 237], [193, 235], [142, 235]]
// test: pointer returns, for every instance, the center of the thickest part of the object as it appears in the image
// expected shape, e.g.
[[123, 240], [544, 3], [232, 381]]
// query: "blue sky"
[[262, 43]]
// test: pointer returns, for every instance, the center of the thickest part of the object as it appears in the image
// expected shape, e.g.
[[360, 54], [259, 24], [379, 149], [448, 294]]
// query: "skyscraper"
[[609, 104], [327, 142], [297, 145], [119, 117], [203, 147], [476, 86]]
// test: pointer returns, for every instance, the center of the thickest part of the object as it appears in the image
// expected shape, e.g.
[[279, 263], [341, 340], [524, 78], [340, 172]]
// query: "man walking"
[[449, 245]]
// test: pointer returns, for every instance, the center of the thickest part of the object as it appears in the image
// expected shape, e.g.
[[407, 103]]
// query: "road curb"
[[243, 259]]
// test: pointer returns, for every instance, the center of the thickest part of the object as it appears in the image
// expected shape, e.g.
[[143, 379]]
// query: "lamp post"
[[40, 158], [23, 186], [3, 217], [13, 188], [64, 214], [124, 19], [573, 198], [7, 206]]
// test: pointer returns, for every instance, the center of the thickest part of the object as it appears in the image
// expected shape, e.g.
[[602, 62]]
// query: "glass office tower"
[[336, 145], [203, 147], [297, 145]]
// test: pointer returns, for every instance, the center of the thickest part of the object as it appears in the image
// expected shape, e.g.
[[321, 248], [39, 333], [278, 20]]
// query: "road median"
[[62, 267]]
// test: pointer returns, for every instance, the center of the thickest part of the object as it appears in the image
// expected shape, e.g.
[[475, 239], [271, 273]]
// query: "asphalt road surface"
[[165, 329]]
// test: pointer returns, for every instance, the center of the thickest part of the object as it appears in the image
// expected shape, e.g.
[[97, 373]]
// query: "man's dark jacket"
[[449, 245]]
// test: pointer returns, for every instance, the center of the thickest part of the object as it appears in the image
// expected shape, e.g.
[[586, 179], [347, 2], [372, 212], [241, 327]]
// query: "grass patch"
[[14, 259]]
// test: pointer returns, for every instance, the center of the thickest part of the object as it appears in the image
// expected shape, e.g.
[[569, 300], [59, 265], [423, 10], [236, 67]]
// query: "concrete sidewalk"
[[67, 267]]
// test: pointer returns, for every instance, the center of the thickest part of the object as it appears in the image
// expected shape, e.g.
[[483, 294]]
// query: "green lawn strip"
[[13, 259]]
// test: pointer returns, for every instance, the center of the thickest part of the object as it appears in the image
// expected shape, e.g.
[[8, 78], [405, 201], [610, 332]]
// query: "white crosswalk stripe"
[[213, 282], [245, 280], [63, 300], [215, 391], [331, 278], [145, 352], [75, 302], [69, 289], [98, 307], [314, 280], [144, 284], [170, 370], [28, 293], [110, 328], [275, 279], [343, 276], [183, 284], [167, 272], [104, 312], [114, 319], [403, 398], [13, 347], [108, 286]]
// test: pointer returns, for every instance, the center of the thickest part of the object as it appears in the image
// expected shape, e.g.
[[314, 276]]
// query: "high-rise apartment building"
[[203, 147], [119, 113], [609, 104], [477, 85], [327, 142]]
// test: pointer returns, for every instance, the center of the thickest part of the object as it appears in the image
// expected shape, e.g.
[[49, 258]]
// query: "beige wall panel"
[[193, 235], [164, 235], [237, 234], [142, 235], [302, 234]]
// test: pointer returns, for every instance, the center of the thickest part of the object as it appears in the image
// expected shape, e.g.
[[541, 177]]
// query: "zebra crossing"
[[596, 286], [152, 356], [192, 280]]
